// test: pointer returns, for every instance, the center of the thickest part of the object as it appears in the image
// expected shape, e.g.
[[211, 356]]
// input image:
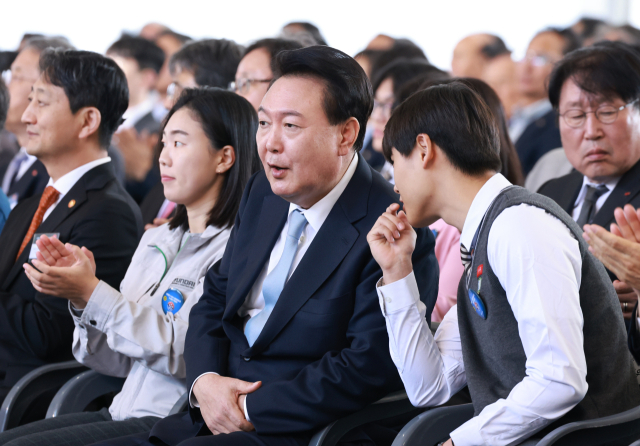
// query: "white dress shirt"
[[22, 169], [137, 112], [538, 263], [315, 215], [577, 206], [68, 180], [523, 116]]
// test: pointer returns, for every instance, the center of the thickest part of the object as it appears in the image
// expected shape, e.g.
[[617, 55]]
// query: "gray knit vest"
[[493, 354]]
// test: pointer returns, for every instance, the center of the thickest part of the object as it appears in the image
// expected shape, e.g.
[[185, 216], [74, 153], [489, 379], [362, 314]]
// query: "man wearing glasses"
[[595, 92], [533, 127]]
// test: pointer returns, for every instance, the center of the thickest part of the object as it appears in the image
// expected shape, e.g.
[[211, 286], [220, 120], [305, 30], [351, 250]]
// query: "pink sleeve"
[[448, 254]]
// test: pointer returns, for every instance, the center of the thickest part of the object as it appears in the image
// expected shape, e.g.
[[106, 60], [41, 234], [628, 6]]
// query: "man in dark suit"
[[141, 60], [25, 176], [533, 126], [316, 343], [76, 105], [596, 90]]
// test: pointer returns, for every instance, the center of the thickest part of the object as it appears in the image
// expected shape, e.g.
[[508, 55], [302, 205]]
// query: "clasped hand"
[[65, 271], [221, 401], [392, 241]]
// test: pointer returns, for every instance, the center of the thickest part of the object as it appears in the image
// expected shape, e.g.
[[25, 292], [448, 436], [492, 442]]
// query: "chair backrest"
[[29, 396], [434, 425], [619, 429], [78, 392]]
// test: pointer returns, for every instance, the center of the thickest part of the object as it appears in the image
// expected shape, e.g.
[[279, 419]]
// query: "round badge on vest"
[[477, 304], [172, 301]]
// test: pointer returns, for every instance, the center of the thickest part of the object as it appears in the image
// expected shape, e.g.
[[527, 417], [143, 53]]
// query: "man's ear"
[[90, 119], [426, 147], [348, 135]]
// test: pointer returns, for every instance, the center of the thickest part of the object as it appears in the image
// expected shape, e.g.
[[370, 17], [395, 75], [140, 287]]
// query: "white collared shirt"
[[68, 180], [538, 263], [137, 112], [577, 206], [22, 169], [524, 116], [315, 215]]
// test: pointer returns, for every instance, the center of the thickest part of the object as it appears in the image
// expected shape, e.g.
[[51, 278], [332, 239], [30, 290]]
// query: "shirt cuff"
[[246, 414], [193, 401], [468, 434], [100, 306], [398, 295]]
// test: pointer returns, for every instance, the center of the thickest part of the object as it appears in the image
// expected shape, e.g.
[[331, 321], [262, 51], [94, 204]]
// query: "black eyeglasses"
[[244, 85], [606, 114]]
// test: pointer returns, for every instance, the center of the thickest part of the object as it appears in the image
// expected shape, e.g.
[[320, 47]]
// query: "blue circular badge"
[[172, 301]]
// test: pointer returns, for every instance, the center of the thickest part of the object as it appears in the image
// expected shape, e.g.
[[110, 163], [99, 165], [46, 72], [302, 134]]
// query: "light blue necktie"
[[275, 281]]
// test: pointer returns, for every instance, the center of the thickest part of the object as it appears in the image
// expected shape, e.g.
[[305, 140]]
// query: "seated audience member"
[[596, 91], [25, 176], [448, 237], [304, 32], [170, 42], [533, 126], [387, 85], [619, 250], [473, 53], [271, 360], [203, 63], [141, 60], [255, 70], [75, 106], [526, 335], [553, 164], [4, 106], [209, 154]]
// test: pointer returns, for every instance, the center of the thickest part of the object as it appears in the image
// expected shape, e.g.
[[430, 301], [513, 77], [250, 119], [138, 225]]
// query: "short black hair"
[[213, 62], [310, 29], [589, 27], [403, 70], [456, 119], [4, 103], [273, 46], [228, 120], [145, 52], [571, 41], [495, 48], [89, 80], [401, 49], [347, 92], [606, 69], [511, 167]]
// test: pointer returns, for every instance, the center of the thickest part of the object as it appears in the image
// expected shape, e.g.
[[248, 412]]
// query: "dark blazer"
[[324, 352], [565, 190], [31, 183], [152, 203], [36, 329], [541, 136], [139, 189], [634, 337]]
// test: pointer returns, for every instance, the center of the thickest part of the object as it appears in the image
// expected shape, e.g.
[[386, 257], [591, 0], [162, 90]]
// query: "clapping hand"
[[65, 271], [392, 241]]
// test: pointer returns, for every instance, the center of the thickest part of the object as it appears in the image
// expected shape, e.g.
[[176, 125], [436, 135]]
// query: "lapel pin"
[[34, 172], [72, 203], [626, 194]]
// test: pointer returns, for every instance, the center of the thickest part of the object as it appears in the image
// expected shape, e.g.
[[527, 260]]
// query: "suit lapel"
[[272, 219], [570, 191], [626, 189], [329, 247], [11, 244], [96, 178]]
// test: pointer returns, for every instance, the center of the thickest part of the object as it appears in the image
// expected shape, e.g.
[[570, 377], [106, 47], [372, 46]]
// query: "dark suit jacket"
[[541, 136], [36, 329], [324, 351], [152, 203], [139, 189], [565, 190], [634, 337], [31, 183]]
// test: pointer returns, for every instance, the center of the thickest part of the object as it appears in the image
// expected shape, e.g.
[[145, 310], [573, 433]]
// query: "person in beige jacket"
[[138, 332]]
